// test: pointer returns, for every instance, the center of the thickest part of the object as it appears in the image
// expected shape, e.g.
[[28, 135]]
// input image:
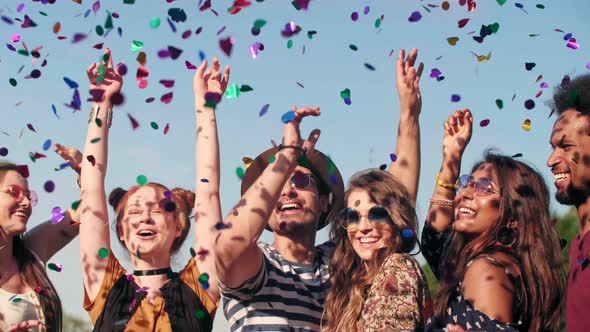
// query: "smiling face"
[[298, 210], [147, 227], [476, 212], [570, 159], [14, 212], [367, 239]]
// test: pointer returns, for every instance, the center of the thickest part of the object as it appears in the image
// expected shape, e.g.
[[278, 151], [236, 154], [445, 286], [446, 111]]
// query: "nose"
[[365, 224], [553, 160], [288, 190], [146, 217], [25, 201], [467, 193]]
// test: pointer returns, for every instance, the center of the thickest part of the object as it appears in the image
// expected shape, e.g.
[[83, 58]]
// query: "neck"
[[584, 217], [296, 249], [6, 251], [154, 262]]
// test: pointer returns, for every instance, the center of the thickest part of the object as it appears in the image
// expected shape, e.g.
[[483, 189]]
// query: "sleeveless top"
[[184, 304]]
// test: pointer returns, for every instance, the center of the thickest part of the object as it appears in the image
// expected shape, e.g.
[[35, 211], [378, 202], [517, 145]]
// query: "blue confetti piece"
[[201, 56], [46, 145], [172, 26], [54, 110], [120, 31], [70, 83], [369, 66], [87, 13], [288, 117], [264, 110], [407, 233]]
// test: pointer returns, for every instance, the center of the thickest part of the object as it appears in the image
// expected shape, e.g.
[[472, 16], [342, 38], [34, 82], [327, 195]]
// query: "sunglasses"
[[301, 180], [19, 194], [378, 217], [482, 186]]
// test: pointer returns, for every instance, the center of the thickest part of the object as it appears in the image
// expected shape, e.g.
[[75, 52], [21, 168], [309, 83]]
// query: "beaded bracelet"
[[295, 147], [444, 202], [444, 184]]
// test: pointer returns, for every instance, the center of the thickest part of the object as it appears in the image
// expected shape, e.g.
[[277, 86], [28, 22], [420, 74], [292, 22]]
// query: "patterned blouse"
[[398, 299], [460, 311]]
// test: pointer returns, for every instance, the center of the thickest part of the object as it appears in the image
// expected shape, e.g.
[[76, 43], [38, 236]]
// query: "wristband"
[[444, 202], [451, 186], [295, 147]]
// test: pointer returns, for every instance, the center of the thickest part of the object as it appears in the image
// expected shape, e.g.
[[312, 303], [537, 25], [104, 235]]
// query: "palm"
[[105, 81], [457, 133], [408, 81], [210, 81]]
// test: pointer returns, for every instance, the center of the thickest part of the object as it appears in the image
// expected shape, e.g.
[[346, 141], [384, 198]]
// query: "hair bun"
[[186, 198], [115, 197]]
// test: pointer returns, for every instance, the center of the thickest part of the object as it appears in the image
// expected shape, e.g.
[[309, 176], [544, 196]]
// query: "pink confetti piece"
[[588, 65], [166, 129], [142, 289], [573, 44], [484, 123], [226, 45], [167, 83], [15, 38], [189, 65], [255, 49], [167, 98]]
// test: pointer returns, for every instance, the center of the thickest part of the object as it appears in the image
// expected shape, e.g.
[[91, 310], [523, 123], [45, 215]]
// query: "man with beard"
[[570, 164]]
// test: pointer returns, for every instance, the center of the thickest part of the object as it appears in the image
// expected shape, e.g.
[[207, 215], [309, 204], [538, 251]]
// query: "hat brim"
[[321, 167]]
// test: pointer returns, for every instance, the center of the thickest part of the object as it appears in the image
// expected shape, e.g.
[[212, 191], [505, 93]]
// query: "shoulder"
[[489, 270], [401, 261], [402, 267]]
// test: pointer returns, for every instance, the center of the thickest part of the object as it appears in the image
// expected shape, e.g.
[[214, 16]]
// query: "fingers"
[[90, 72], [226, 72], [300, 113], [412, 57], [215, 66], [110, 62], [400, 65], [311, 141], [201, 69], [23, 326]]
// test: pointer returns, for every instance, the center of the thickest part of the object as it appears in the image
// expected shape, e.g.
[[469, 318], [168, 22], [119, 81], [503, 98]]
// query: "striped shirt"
[[282, 296]]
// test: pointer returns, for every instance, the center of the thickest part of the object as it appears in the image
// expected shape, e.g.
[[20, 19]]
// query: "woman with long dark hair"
[[490, 243], [151, 222], [376, 285], [28, 300]]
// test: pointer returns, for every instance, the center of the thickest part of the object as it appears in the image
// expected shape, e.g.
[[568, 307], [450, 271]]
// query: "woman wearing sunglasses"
[[151, 223], [28, 300], [376, 284], [489, 241]]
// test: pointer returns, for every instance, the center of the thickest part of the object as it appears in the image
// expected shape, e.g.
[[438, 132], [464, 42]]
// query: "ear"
[[325, 201]]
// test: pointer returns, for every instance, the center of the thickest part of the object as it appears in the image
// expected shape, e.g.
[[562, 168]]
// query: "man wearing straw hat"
[[290, 190]]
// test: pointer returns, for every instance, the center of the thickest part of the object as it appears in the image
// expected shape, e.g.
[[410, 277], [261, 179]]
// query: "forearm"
[[250, 216], [60, 234], [440, 216], [207, 200], [407, 166], [95, 156]]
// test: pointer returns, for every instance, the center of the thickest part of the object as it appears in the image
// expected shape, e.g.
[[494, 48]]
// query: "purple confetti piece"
[[57, 215], [78, 37], [455, 98], [366, 10], [415, 17], [220, 30], [545, 85], [142, 289], [354, 16], [435, 73], [393, 157], [484, 123], [263, 110]]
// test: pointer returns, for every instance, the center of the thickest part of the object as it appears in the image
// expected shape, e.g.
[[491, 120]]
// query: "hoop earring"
[[506, 236]]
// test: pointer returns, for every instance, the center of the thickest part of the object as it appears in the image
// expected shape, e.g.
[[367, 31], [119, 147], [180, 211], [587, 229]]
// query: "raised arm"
[[407, 167], [61, 232], [457, 133], [105, 83], [209, 85], [238, 256]]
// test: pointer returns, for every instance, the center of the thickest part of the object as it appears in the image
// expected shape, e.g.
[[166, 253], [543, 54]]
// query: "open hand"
[[71, 155], [210, 81], [24, 326], [291, 133], [105, 81], [408, 82], [458, 128]]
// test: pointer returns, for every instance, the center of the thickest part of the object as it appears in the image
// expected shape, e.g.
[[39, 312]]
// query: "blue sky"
[[357, 137]]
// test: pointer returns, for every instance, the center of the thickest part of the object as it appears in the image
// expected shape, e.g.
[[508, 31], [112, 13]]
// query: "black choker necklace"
[[142, 273]]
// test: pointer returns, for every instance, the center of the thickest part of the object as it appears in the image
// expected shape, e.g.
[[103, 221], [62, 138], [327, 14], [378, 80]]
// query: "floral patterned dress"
[[398, 299]]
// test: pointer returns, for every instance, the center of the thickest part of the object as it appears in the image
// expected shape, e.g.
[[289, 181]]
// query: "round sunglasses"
[[301, 180], [19, 194], [483, 186], [378, 217]]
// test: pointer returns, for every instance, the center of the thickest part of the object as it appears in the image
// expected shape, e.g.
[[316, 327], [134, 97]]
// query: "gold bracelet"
[[444, 202], [95, 110], [444, 184]]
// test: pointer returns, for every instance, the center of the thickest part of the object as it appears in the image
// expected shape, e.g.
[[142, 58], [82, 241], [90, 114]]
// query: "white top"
[[13, 310], [17, 308]]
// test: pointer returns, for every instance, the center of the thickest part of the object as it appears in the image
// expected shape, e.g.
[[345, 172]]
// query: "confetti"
[[134, 123], [484, 123], [240, 172], [407, 233], [200, 314], [226, 45], [455, 98], [57, 215], [255, 48], [154, 125], [141, 180], [500, 103], [189, 65], [529, 65], [155, 22], [526, 125], [289, 43], [136, 45], [354, 16], [167, 98], [232, 91], [49, 186], [529, 104], [415, 17], [263, 110], [103, 252], [288, 117], [204, 280], [3, 152], [393, 157], [462, 23], [12, 81], [55, 267], [369, 66], [452, 40], [166, 129], [445, 5]]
